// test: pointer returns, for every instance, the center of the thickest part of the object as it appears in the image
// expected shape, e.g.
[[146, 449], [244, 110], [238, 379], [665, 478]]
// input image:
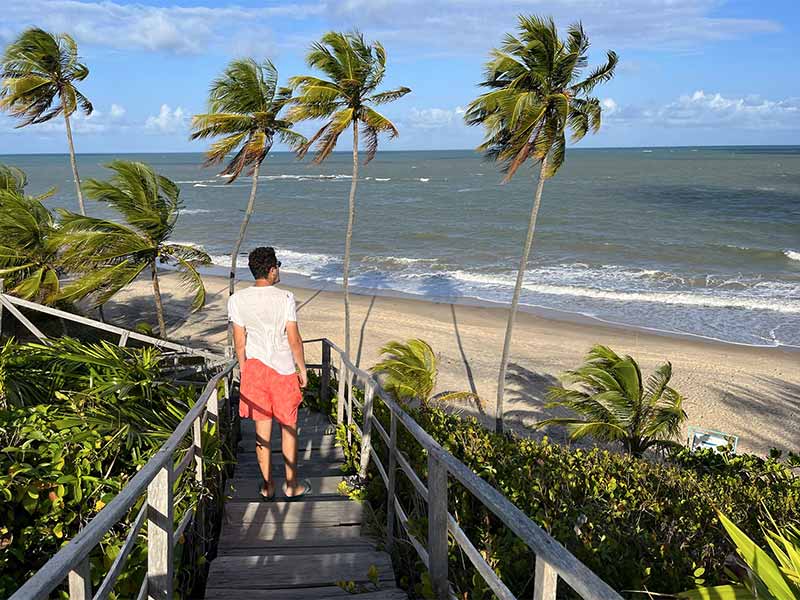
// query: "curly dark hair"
[[261, 261]]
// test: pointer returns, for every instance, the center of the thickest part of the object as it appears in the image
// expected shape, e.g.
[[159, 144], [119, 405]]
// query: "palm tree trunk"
[[162, 327], [251, 203], [74, 165], [351, 217], [512, 315]]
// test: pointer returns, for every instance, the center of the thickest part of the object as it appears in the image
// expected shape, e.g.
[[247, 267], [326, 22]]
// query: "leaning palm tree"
[[29, 249], [353, 70], [39, 72], [538, 91], [111, 255], [616, 404], [244, 110], [409, 371]]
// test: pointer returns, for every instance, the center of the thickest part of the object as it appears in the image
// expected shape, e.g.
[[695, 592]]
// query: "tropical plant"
[[410, 371], [111, 255], [764, 579], [77, 422], [244, 109], [617, 405], [354, 69], [39, 71], [29, 248], [12, 179], [538, 92]]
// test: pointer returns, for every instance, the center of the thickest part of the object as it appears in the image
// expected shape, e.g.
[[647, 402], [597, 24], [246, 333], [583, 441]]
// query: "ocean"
[[697, 241]]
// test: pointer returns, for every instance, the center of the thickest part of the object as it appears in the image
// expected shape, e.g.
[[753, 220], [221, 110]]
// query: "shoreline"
[[752, 392], [295, 280]]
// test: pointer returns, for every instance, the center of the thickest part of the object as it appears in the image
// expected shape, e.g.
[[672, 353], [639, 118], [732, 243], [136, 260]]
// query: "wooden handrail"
[[12, 302], [553, 560], [71, 560]]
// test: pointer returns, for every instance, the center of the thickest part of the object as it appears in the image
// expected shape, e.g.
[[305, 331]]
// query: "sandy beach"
[[748, 391]]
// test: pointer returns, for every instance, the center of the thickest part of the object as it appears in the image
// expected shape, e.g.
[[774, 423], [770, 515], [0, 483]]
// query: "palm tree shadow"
[[526, 391], [363, 330], [775, 398]]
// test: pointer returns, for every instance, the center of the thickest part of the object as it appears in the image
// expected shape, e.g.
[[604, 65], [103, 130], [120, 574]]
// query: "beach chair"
[[701, 439]]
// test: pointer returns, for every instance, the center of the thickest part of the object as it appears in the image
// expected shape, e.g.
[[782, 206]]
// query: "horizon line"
[[415, 150]]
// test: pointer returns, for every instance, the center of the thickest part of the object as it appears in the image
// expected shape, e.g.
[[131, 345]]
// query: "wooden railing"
[[155, 481], [553, 561]]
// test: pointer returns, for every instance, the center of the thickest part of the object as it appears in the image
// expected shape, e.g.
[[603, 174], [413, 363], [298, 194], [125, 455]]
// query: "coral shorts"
[[265, 393]]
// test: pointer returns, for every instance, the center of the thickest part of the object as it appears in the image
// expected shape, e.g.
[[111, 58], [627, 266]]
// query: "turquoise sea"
[[701, 241]]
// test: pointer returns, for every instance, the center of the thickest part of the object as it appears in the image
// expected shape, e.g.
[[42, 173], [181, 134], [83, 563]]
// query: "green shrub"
[[77, 421], [639, 525]]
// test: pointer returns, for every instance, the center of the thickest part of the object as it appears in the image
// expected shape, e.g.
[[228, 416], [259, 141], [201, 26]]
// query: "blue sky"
[[692, 72]]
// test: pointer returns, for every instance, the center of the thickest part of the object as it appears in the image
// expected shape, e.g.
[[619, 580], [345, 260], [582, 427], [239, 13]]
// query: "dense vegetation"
[[76, 423], [638, 524]]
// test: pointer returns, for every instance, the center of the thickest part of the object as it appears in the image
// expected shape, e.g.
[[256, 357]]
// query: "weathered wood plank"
[[323, 593], [259, 535], [323, 445], [286, 571], [313, 469], [248, 489], [333, 455], [310, 512]]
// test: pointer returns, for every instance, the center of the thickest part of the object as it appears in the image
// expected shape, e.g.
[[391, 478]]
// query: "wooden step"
[[317, 593], [248, 489], [321, 444], [309, 512], [250, 470], [300, 535], [282, 571]]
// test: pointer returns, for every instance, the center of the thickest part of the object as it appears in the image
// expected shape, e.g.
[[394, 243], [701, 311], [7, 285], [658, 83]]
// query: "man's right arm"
[[239, 341]]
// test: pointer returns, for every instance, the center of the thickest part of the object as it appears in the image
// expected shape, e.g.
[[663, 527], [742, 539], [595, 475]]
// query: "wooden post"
[[366, 437], [80, 581], [325, 376], [437, 527], [340, 395], [160, 522], [197, 438], [349, 394], [390, 488], [212, 407], [545, 582]]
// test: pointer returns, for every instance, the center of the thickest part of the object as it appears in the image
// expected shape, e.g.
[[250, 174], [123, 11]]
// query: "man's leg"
[[289, 446], [264, 454]]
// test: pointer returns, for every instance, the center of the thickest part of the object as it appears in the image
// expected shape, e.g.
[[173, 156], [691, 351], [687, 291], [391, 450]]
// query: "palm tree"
[[29, 249], [354, 70], [617, 405], [410, 371], [538, 91], [39, 72], [12, 179], [244, 109], [111, 255]]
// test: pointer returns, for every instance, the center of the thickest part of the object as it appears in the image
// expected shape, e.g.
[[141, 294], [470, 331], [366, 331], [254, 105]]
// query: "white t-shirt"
[[264, 312]]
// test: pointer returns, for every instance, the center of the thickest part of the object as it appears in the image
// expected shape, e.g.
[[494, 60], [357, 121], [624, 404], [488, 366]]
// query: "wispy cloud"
[[441, 25], [99, 122], [174, 29], [704, 110], [434, 118]]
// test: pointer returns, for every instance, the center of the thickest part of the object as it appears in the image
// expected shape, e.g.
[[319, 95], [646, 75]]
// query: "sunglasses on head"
[[278, 264]]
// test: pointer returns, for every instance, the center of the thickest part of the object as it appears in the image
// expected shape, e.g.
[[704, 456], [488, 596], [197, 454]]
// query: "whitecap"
[[424, 179], [792, 254]]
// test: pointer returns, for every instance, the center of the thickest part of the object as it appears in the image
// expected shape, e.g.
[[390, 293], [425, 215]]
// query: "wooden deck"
[[289, 550]]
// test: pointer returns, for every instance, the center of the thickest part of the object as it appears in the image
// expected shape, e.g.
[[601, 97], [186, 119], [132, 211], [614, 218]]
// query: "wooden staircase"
[[290, 550]]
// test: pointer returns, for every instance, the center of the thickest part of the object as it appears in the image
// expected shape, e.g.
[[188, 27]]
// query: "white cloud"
[[177, 29], [703, 110], [117, 111], [100, 121], [447, 26], [167, 120], [434, 118], [457, 24]]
